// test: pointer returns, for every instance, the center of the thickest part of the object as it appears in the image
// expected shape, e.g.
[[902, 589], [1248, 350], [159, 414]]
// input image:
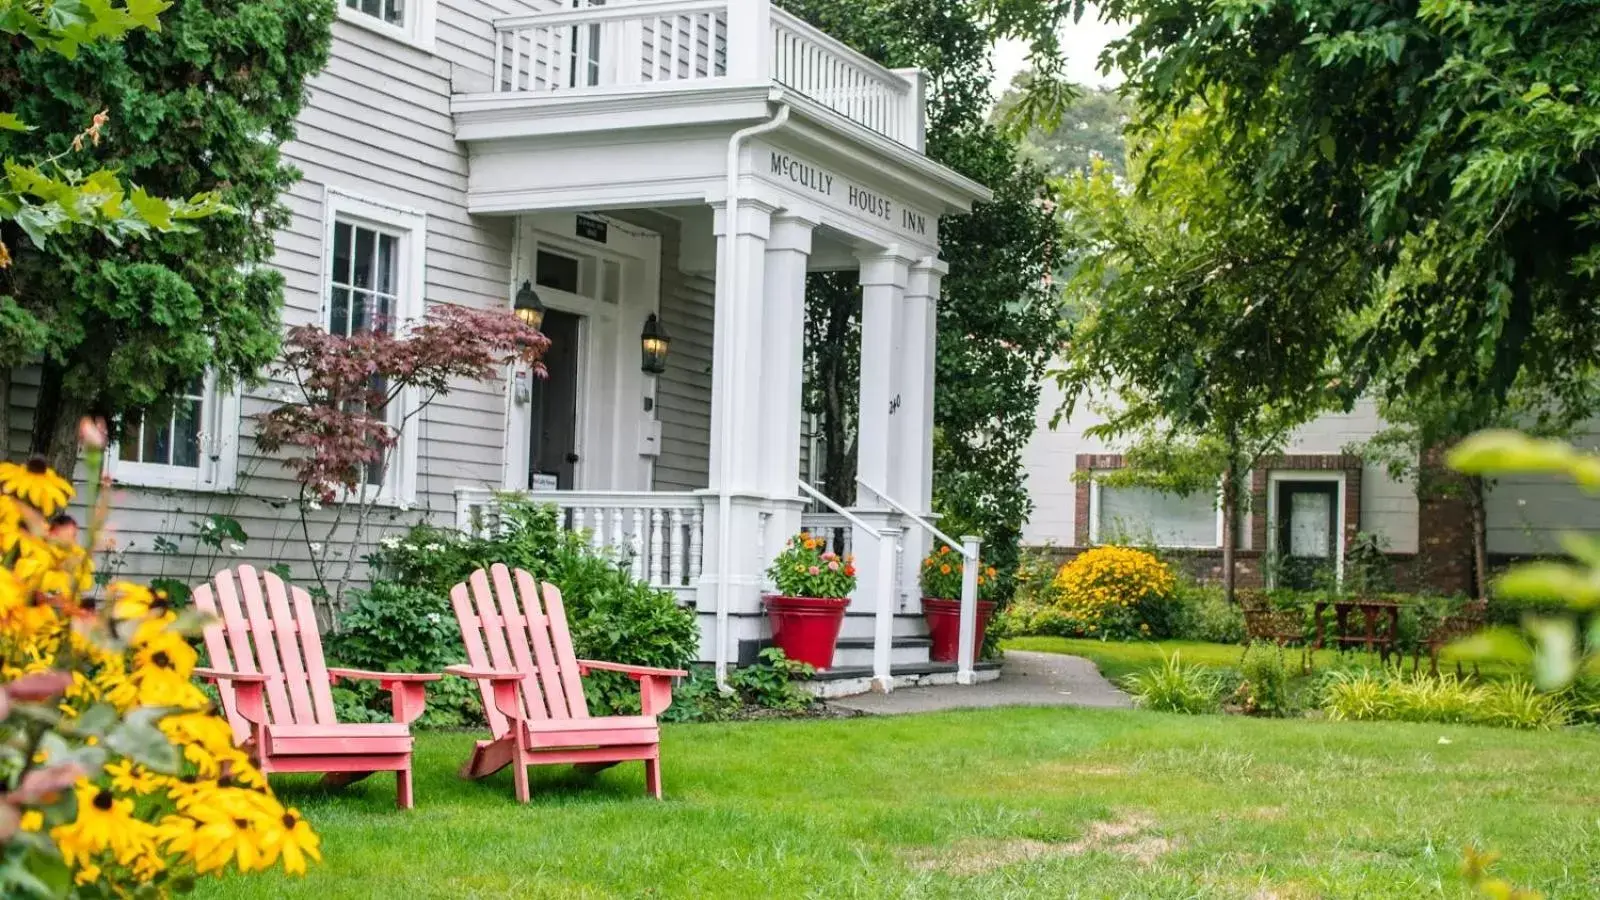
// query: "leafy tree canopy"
[[199, 109], [1090, 128]]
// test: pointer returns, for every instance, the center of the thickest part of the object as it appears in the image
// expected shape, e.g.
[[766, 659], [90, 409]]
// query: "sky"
[[1082, 43]]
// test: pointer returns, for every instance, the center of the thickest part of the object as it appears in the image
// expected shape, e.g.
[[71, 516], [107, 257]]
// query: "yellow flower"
[[166, 651], [88, 874], [104, 822], [129, 601], [35, 483], [131, 778], [32, 820], [291, 839]]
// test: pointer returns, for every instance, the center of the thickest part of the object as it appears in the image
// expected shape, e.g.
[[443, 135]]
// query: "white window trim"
[[418, 32], [400, 482], [1278, 475], [219, 450], [1094, 521]]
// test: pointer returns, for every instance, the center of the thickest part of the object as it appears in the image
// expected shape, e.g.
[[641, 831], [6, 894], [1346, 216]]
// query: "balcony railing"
[[658, 536], [693, 43]]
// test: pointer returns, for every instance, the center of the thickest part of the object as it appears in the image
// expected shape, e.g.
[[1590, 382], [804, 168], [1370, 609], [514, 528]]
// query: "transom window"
[[167, 434], [365, 282]]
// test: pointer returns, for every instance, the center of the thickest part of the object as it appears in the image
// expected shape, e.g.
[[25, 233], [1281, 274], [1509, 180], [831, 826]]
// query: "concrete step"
[[848, 681], [905, 651], [864, 625]]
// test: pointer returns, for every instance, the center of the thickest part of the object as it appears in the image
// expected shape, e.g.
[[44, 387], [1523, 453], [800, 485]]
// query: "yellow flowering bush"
[[119, 778], [1115, 592]]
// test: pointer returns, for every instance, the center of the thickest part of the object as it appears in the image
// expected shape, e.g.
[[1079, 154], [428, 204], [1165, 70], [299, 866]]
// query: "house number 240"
[[894, 405]]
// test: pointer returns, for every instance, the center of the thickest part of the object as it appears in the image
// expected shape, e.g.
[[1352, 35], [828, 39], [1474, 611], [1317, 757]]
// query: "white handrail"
[[926, 525], [883, 616], [971, 548], [591, 15]]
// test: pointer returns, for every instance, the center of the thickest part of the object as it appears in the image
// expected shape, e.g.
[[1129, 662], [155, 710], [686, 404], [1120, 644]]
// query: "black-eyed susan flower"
[[290, 839], [35, 483]]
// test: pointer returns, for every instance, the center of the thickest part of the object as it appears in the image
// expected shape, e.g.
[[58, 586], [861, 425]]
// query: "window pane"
[[370, 7], [341, 253], [339, 312], [361, 274], [186, 434], [557, 272], [360, 312], [1310, 515], [1145, 516], [128, 443], [388, 268], [395, 12], [157, 448]]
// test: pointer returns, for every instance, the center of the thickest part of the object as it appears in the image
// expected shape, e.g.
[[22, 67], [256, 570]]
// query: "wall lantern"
[[655, 343], [529, 308]]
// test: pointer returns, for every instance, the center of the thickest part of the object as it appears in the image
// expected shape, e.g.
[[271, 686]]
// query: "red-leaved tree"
[[343, 428]]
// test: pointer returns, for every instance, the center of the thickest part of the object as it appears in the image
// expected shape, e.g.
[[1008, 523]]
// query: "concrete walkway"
[[1026, 679]]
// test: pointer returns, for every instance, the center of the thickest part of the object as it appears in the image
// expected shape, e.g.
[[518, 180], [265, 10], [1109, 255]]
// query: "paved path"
[[1027, 679]]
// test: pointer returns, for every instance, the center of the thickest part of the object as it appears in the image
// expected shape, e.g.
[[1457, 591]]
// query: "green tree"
[[1090, 129], [999, 322], [1206, 333], [1457, 142], [120, 322]]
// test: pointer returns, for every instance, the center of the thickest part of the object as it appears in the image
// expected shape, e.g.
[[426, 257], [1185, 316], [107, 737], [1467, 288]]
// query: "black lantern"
[[655, 344], [529, 308]]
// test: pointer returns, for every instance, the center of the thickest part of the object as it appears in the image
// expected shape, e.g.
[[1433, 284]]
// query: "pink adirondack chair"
[[520, 653], [266, 660]]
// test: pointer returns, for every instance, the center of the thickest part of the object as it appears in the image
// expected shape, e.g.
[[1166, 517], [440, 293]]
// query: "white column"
[[782, 370], [883, 286], [912, 477], [734, 563], [749, 40]]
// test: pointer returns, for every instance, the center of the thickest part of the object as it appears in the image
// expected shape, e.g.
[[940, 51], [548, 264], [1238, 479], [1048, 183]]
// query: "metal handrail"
[[926, 525], [849, 516]]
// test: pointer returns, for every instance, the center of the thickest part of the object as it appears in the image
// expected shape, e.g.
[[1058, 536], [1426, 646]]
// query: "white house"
[[691, 160], [1310, 502]]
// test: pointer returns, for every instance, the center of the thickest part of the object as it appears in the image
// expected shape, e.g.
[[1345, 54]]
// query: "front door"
[[1308, 533], [553, 445]]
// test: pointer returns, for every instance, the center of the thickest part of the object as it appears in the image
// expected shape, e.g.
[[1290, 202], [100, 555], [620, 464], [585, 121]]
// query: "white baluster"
[[577, 519], [597, 534], [618, 537], [696, 536], [658, 573], [678, 548], [636, 544]]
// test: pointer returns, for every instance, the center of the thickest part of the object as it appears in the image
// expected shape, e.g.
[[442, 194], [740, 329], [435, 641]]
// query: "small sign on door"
[[596, 230], [542, 483]]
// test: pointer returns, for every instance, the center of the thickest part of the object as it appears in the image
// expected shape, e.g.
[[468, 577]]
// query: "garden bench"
[[1470, 619]]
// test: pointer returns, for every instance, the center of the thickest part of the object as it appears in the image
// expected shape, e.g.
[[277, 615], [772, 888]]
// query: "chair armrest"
[[584, 665], [236, 677], [477, 674], [393, 677]]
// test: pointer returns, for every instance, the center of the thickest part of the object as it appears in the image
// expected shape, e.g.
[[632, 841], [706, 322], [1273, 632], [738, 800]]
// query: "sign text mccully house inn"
[[840, 190]]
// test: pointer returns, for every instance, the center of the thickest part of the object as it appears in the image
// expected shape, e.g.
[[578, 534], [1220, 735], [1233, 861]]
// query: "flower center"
[[289, 821], [161, 660], [37, 465], [102, 801], [242, 824]]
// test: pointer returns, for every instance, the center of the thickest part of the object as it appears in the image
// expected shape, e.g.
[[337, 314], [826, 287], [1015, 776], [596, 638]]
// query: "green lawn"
[[995, 803]]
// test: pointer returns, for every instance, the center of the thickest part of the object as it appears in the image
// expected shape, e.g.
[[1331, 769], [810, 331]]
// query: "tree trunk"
[[55, 422], [1480, 537], [1230, 519]]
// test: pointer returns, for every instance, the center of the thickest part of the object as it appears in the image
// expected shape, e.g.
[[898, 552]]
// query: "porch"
[[693, 161]]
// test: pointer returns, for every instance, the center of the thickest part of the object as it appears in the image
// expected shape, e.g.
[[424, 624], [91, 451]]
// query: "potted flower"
[[814, 586], [941, 601]]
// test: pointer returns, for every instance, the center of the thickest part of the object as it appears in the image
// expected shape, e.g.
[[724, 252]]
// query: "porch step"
[[904, 651], [864, 624]]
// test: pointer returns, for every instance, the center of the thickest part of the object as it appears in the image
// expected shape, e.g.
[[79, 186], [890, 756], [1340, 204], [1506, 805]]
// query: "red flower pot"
[[944, 626], [807, 628]]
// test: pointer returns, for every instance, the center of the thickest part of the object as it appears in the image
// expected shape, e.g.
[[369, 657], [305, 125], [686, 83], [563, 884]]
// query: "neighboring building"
[[1308, 506], [454, 152]]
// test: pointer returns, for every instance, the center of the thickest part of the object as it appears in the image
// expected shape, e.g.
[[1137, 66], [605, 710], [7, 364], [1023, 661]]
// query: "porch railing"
[[658, 536], [692, 43]]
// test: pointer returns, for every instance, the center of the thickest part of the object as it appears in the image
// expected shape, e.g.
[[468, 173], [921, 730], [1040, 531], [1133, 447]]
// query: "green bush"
[[772, 684], [1204, 614], [1175, 687], [405, 619], [1267, 687]]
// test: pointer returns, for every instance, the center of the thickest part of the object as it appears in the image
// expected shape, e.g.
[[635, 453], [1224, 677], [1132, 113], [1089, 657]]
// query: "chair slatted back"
[[511, 623], [265, 627]]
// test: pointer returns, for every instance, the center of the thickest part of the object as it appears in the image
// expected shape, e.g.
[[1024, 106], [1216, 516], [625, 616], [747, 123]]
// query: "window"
[[407, 21], [188, 441], [374, 272], [1147, 516]]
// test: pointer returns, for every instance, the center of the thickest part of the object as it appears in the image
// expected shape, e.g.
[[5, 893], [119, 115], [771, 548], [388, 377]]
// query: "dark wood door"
[[553, 446], [1308, 533]]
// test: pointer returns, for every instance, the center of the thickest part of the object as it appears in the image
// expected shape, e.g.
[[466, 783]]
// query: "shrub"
[[1267, 688], [771, 684], [1117, 592], [943, 570], [1204, 614], [1175, 687], [403, 628], [612, 616]]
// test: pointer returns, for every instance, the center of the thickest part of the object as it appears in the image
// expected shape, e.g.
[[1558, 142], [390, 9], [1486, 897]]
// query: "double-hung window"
[[407, 21], [188, 440], [1145, 516], [373, 276]]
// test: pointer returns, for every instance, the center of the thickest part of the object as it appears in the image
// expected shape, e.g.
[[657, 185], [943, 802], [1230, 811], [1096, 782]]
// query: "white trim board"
[[1278, 475]]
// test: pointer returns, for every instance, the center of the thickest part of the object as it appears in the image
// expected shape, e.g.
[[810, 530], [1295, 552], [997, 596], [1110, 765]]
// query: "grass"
[[993, 803], [1119, 658]]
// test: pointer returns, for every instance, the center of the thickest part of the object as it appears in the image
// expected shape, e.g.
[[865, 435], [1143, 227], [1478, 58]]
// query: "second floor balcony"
[[636, 49]]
